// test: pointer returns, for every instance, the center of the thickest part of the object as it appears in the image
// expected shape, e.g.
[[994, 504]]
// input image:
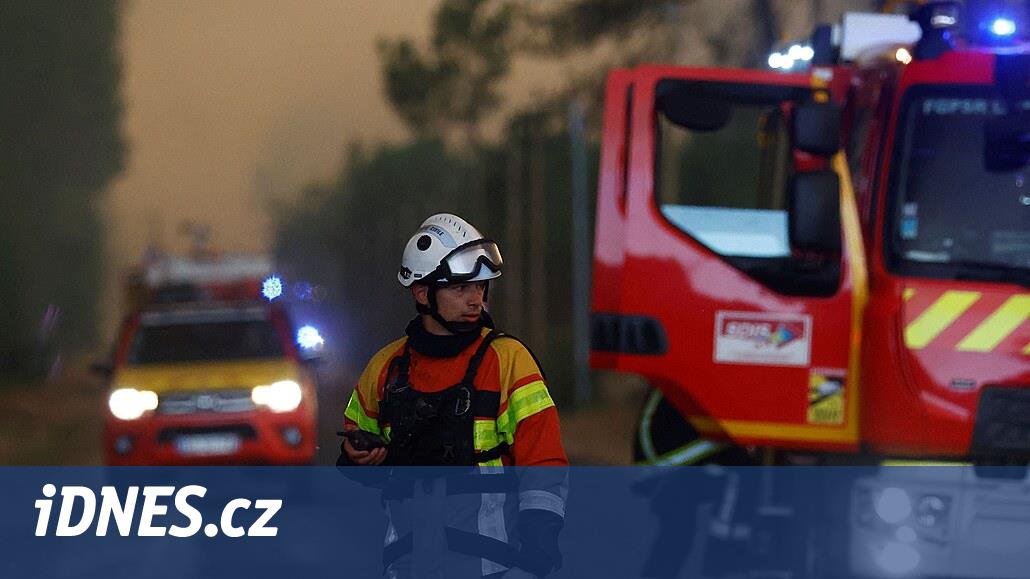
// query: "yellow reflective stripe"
[[852, 228], [908, 293], [484, 434], [528, 400], [774, 430], [996, 328], [356, 413], [485, 437], [506, 428], [941, 314], [1026, 350], [525, 402]]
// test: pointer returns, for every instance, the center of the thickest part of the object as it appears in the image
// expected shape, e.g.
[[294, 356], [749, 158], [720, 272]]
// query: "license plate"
[[207, 444]]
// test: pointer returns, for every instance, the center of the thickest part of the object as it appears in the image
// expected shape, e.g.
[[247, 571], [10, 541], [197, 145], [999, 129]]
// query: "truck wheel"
[[664, 436]]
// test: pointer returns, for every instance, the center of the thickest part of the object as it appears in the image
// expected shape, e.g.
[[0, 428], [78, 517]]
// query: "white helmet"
[[447, 249]]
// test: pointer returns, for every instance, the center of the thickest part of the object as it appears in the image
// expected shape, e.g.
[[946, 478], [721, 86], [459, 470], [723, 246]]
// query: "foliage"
[[453, 82], [59, 148]]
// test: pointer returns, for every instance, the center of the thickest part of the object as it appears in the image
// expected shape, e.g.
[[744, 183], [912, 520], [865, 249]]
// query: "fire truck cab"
[[829, 259]]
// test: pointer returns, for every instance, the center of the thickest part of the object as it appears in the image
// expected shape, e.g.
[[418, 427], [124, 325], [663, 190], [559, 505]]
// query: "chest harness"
[[436, 428]]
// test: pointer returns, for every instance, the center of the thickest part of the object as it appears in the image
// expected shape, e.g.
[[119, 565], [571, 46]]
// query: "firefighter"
[[455, 392]]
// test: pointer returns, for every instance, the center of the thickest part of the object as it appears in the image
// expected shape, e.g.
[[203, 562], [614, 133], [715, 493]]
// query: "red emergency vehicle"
[[830, 258], [207, 370]]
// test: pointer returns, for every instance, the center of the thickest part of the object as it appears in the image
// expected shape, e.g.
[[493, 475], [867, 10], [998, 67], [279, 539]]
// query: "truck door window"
[[726, 187], [723, 167]]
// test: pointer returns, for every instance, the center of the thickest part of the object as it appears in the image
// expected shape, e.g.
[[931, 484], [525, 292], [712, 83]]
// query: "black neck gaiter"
[[434, 346]]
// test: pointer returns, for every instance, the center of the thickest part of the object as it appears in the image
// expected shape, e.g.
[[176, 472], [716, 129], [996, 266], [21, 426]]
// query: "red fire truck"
[[828, 260]]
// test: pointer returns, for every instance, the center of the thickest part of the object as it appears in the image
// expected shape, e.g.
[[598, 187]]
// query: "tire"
[[664, 436]]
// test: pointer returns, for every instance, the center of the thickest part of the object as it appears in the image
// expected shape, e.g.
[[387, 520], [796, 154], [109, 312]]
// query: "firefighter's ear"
[[421, 293]]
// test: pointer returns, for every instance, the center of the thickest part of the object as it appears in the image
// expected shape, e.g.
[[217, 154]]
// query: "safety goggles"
[[467, 261]]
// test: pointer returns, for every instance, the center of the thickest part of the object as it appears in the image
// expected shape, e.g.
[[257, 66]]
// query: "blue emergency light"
[[272, 287], [1003, 27], [308, 338]]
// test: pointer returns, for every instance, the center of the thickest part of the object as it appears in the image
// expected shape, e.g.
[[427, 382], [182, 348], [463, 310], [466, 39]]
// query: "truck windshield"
[[950, 217], [205, 342]]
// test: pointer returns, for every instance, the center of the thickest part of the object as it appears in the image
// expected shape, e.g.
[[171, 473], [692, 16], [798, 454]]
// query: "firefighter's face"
[[461, 302]]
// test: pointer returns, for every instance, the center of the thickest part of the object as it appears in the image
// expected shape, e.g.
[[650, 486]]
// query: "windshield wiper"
[[979, 271]]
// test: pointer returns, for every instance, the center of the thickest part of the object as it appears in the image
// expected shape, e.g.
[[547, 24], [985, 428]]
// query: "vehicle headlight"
[[932, 510], [893, 505], [282, 396], [130, 404]]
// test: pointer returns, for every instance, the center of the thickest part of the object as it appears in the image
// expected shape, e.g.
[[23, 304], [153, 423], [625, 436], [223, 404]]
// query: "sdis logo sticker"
[[763, 339]]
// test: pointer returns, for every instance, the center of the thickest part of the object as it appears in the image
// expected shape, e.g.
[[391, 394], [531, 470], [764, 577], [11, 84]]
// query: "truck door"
[[727, 278]]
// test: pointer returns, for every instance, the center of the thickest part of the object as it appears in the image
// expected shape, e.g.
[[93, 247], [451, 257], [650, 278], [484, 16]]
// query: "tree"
[[452, 84], [60, 146]]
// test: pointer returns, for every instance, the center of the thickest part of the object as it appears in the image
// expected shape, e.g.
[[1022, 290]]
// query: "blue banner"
[[789, 522]]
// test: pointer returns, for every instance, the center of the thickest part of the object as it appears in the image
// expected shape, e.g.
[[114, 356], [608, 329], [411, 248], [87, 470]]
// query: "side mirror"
[[684, 106], [817, 128], [1007, 142], [813, 217], [102, 369]]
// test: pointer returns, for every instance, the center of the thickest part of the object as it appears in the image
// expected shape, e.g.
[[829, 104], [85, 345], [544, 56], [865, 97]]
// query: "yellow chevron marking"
[[998, 326], [909, 292], [938, 317]]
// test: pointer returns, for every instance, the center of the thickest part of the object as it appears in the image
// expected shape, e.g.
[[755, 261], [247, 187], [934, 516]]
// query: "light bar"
[[793, 56], [1003, 27]]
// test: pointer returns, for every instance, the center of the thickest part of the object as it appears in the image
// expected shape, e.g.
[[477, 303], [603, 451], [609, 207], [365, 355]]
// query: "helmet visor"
[[468, 261]]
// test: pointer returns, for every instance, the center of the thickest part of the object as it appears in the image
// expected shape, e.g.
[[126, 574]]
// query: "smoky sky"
[[232, 103]]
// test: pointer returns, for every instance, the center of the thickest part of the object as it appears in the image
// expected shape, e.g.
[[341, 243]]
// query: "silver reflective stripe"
[[391, 531], [542, 500], [491, 519], [391, 538]]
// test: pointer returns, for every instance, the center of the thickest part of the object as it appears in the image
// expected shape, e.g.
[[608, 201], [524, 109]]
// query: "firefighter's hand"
[[372, 457]]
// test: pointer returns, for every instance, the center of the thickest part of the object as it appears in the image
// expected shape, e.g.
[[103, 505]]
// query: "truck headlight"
[[282, 396], [893, 505], [130, 404]]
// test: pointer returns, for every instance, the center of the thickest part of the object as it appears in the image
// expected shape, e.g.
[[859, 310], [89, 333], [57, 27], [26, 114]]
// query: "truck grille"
[[1002, 422], [224, 401]]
